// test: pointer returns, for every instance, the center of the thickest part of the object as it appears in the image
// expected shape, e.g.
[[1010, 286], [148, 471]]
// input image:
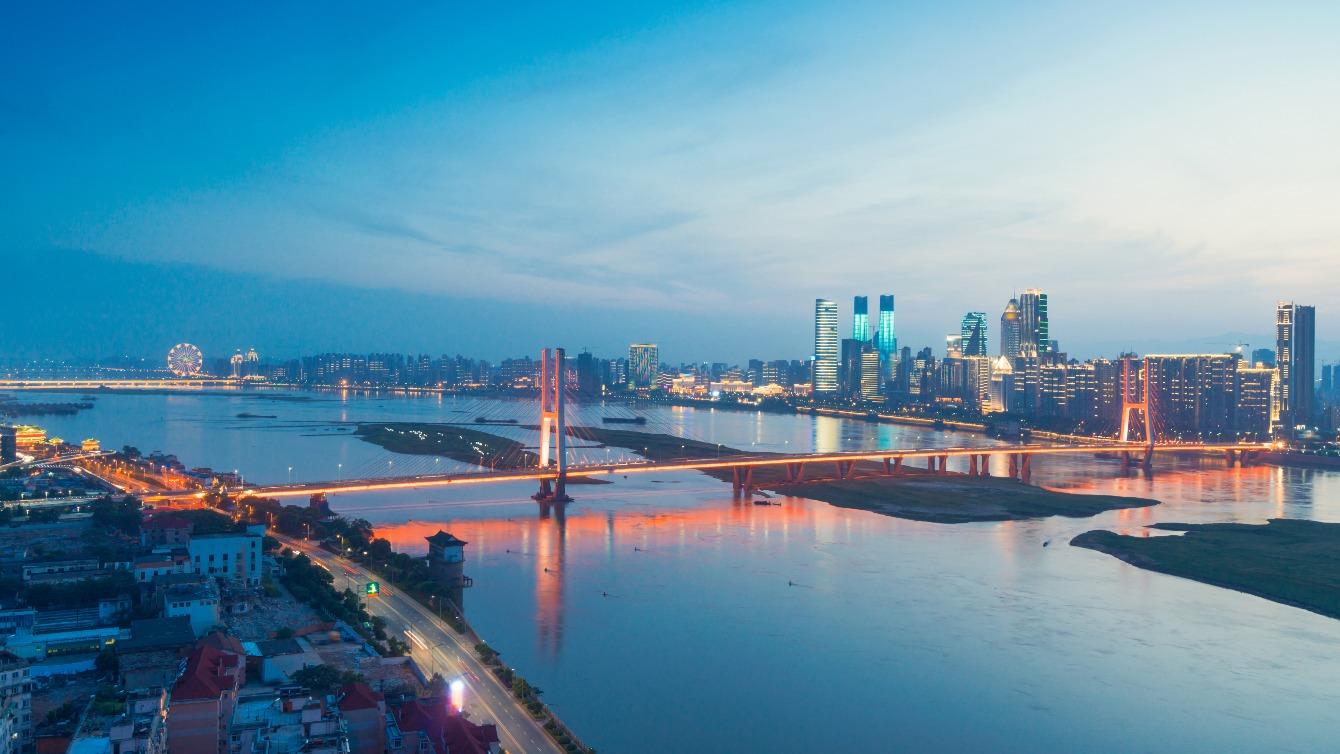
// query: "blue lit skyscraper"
[[886, 339], [825, 377], [860, 322]]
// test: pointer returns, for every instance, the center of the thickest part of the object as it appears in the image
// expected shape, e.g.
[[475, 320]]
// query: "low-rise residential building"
[[272, 724], [193, 597], [165, 529], [61, 571], [230, 557], [16, 701], [428, 726], [160, 563], [142, 729], [203, 700], [364, 712]]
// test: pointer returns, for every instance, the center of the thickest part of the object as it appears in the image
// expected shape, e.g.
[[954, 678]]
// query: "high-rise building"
[[1252, 401], [886, 340], [973, 332], [849, 367], [1194, 394], [1305, 364], [1295, 362], [871, 381], [825, 370], [1011, 330], [588, 375], [1263, 357], [860, 320], [1035, 333], [644, 366]]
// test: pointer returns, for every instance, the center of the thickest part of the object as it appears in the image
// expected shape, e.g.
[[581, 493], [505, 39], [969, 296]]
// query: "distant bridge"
[[796, 467], [175, 383]]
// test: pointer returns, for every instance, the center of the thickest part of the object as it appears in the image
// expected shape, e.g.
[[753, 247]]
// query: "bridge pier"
[[972, 465], [795, 472], [893, 466], [1026, 468], [742, 482], [844, 469], [1233, 458], [944, 464], [986, 464]]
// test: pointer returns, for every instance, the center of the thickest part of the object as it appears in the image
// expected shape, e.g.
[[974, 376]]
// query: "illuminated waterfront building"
[[973, 334], [644, 366], [860, 323], [1194, 394], [1035, 337], [1011, 330], [1252, 413], [825, 367]]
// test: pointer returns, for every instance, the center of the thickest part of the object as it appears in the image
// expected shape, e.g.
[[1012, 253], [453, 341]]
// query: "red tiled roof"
[[356, 696], [458, 735], [205, 676], [223, 641]]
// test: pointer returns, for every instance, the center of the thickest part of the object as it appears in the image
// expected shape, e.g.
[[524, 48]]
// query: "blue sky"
[[325, 176]]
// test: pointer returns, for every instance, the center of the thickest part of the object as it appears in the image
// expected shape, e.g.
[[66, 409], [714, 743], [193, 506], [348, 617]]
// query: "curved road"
[[436, 647]]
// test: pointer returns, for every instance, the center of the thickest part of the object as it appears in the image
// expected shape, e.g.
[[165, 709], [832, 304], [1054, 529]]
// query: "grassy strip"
[[451, 441], [529, 696], [1290, 561]]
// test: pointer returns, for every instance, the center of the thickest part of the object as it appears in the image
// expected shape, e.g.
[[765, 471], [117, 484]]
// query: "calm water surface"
[[659, 615]]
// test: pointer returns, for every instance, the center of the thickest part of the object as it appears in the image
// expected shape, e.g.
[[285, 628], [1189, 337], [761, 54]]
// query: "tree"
[[106, 662], [322, 679], [437, 685]]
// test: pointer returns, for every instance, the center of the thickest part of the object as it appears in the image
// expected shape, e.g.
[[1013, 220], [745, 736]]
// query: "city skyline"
[[669, 169]]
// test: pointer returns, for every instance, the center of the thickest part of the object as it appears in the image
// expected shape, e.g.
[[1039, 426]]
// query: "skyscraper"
[[1305, 362], [886, 340], [825, 370], [1011, 330], [1296, 361], [860, 319], [644, 366], [973, 332], [1035, 334]]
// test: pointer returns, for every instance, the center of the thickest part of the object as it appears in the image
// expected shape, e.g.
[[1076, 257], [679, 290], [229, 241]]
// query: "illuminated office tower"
[[1011, 330], [825, 369], [871, 384], [886, 340], [1035, 337], [860, 321], [973, 333], [644, 366], [1295, 362]]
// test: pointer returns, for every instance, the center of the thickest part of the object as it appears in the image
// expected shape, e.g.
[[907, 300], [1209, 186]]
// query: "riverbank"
[[1290, 561]]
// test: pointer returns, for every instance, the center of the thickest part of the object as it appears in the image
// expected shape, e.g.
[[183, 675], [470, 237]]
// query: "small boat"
[[484, 420], [624, 419]]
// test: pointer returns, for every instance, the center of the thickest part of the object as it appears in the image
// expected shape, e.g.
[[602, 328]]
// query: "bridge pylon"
[[1135, 397], [553, 421]]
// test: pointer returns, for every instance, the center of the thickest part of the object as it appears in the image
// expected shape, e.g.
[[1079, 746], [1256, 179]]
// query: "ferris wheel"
[[185, 360]]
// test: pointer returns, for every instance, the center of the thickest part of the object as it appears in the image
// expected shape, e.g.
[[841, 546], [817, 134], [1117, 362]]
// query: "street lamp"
[[339, 472], [290, 475]]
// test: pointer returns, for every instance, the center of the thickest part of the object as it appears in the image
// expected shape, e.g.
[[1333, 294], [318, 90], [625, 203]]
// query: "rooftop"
[[157, 633]]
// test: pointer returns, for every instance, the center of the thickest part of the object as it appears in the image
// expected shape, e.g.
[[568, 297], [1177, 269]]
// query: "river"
[[659, 615]]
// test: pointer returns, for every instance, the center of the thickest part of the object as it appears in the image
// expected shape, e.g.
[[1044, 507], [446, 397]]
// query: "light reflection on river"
[[659, 615]]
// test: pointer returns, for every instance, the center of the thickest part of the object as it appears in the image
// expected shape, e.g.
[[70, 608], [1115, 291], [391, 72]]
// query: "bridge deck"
[[706, 464]]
